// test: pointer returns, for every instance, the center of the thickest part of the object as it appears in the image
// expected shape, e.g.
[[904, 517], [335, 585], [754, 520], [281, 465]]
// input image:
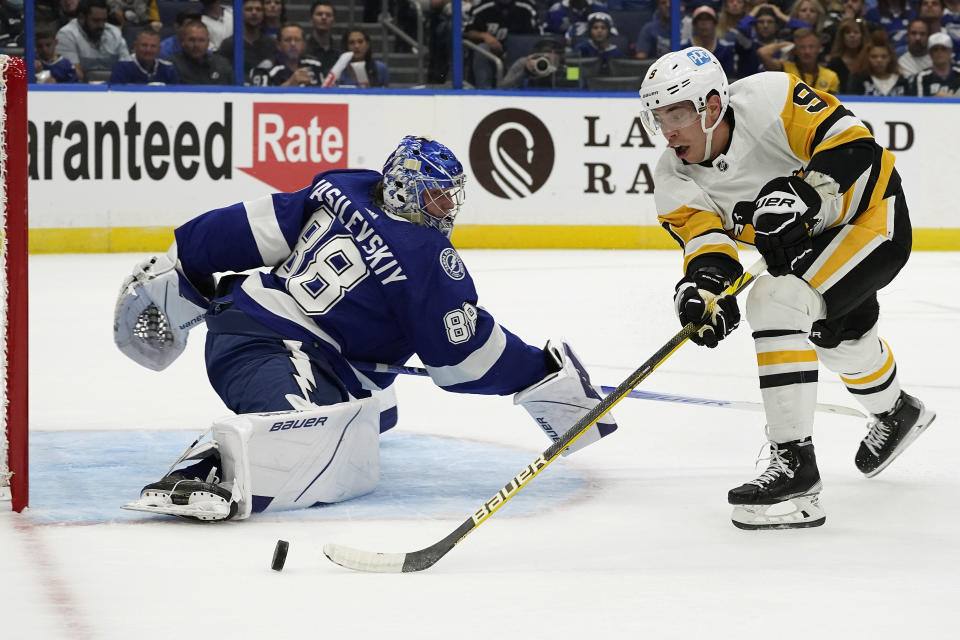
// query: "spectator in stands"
[[536, 70], [931, 12], [569, 17], [374, 74], [951, 23], [705, 35], [257, 46], [50, 67], [219, 22], [146, 67], [320, 43], [439, 36], [134, 12], [852, 38], [290, 66], [195, 64], [748, 25], [851, 10], [490, 24], [805, 63], [274, 16], [916, 58], [598, 45], [654, 38], [750, 38], [894, 16], [730, 15], [942, 79], [55, 13], [876, 72], [89, 42], [809, 12], [171, 45]]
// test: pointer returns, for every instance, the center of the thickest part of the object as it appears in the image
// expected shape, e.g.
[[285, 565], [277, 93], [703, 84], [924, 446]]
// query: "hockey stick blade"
[[372, 561]]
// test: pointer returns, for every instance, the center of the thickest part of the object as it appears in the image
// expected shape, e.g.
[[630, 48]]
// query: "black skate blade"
[[780, 525]]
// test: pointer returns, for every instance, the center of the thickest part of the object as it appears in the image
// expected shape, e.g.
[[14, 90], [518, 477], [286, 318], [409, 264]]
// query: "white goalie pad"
[[296, 459], [151, 320], [562, 398]]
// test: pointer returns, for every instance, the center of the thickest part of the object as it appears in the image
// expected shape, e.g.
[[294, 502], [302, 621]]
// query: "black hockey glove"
[[784, 219], [691, 299]]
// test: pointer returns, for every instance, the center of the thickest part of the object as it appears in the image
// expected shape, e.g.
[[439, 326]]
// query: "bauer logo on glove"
[[785, 219]]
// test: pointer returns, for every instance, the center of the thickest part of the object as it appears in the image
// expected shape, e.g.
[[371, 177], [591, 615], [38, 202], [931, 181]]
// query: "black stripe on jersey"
[[876, 389], [666, 225], [832, 119], [786, 379], [871, 181], [776, 333]]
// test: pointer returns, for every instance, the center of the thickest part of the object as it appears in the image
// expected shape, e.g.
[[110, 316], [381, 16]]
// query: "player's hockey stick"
[[743, 405], [428, 556]]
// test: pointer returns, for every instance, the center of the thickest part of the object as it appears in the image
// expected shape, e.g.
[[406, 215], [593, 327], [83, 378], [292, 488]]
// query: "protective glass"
[[670, 118]]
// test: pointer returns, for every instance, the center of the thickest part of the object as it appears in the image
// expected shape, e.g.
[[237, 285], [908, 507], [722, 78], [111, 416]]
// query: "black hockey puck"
[[280, 555]]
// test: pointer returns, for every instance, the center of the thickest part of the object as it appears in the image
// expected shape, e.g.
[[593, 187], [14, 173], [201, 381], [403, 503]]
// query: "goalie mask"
[[691, 75], [423, 183]]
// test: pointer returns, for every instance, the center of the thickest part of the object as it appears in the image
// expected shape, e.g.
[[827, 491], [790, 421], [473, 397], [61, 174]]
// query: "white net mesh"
[[4, 467]]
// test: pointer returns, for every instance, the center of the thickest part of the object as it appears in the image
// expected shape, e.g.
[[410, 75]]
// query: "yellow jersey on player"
[[779, 125]]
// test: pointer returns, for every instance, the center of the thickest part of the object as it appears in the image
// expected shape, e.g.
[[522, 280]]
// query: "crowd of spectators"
[[872, 47], [125, 42]]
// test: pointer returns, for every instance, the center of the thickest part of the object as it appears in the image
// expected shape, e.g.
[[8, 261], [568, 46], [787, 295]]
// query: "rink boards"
[[117, 170]]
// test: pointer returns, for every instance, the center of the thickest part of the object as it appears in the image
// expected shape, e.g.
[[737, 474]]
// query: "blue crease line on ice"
[[80, 477]]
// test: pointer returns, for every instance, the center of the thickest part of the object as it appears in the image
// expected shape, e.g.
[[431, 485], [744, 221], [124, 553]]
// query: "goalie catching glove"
[[563, 397], [152, 319], [692, 299], [785, 219]]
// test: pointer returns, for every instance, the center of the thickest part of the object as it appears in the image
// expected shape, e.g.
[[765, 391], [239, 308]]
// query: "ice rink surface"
[[629, 538]]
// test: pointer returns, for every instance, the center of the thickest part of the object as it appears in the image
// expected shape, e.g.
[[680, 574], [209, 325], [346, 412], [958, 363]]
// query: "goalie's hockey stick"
[[743, 405], [425, 558]]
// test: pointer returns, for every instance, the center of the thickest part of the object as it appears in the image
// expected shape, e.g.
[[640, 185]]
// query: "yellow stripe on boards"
[[466, 236]]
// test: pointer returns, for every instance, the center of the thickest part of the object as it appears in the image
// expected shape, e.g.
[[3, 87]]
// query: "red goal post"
[[13, 280]]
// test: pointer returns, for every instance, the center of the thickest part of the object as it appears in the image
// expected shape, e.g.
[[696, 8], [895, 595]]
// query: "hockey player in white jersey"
[[770, 162], [353, 271]]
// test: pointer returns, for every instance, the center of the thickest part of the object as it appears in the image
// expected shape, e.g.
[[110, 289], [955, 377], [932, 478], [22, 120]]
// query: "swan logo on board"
[[511, 153]]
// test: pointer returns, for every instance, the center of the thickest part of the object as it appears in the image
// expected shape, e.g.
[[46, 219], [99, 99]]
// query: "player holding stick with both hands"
[[357, 267], [832, 223]]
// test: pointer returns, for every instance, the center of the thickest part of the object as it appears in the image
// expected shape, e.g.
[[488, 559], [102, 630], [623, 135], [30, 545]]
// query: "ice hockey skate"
[[786, 495], [891, 433], [180, 494]]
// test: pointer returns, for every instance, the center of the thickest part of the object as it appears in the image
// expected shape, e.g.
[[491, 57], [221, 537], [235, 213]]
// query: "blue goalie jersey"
[[360, 284]]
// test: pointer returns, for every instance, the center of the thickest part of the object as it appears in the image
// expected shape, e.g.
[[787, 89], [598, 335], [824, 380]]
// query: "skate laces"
[[877, 437], [778, 464]]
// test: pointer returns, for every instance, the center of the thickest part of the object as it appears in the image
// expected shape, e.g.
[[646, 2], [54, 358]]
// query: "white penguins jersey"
[[779, 125]]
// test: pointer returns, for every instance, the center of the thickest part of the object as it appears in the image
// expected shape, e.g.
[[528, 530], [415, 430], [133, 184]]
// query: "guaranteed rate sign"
[[292, 142]]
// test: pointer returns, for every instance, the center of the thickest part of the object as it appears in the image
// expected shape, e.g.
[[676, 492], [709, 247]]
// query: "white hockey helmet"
[[680, 76]]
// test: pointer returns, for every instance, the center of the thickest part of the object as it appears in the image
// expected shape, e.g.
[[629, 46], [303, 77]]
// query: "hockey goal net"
[[13, 281]]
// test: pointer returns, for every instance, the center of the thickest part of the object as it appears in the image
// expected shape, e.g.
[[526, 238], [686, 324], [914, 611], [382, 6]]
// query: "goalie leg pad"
[[562, 398], [296, 459]]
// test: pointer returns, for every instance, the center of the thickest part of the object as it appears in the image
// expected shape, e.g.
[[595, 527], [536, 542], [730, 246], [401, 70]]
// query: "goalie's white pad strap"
[[558, 401], [295, 459]]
